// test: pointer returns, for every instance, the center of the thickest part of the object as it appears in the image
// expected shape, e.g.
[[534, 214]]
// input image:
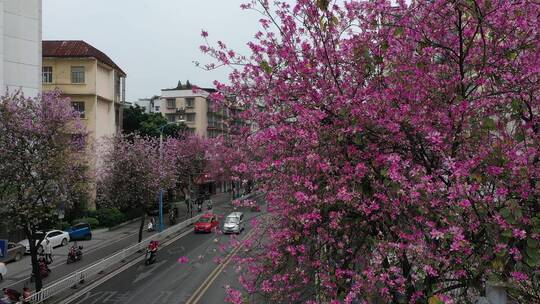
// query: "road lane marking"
[[124, 267], [199, 293]]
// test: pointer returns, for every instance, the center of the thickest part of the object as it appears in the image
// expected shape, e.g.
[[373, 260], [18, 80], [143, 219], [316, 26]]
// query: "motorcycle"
[[199, 207], [209, 204], [74, 254], [151, 253], [43, 269], [150, 257]]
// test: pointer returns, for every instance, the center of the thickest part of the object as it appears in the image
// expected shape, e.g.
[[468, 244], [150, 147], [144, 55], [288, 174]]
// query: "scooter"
[[74, 254], [43, 269], [150, 257], [209, 204]]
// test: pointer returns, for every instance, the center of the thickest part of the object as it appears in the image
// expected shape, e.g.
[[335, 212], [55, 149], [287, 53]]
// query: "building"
[[20, 46], [96, 86], [195, 108], [148, 104]]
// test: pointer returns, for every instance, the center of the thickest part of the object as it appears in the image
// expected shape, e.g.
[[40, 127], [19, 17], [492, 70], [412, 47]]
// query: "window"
[[53, 234], [157, 108], [46, 74], [190, 102], [171, 118], [77, 74], [79, 107], [190, 117], [171, 103]]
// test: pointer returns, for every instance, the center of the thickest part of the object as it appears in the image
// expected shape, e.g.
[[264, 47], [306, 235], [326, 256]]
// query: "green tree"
[[136, 121]]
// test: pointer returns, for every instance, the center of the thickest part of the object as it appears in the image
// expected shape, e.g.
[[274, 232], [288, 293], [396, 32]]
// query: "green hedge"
[[108, 217], [93, 222]]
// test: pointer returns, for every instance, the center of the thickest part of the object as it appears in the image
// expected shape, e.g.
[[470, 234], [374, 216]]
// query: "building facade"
[[95, 84], [194, 108], [96, 87], [20, 46]]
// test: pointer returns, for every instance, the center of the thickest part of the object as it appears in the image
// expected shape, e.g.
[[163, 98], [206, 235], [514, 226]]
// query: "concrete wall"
[[105, 82], [20, 46], [105, 125]]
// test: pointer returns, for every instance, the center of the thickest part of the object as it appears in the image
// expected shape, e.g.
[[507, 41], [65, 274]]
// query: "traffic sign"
[[3, 248]]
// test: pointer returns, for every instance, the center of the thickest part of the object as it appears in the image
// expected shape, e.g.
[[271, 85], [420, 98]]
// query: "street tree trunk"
[[33, 258], [141, 227]]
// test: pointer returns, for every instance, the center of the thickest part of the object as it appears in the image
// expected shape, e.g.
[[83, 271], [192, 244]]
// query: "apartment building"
[[20, 46], [195, 108], [95, 84]]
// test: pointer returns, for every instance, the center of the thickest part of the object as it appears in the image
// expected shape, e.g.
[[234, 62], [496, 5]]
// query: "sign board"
[[3, 248], [61, 214]]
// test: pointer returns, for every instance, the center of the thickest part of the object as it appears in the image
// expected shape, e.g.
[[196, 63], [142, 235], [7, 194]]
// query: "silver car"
[[234, 223]]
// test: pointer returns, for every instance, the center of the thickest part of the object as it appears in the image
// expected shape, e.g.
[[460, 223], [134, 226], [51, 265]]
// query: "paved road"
[[104, 243], [168, 281]]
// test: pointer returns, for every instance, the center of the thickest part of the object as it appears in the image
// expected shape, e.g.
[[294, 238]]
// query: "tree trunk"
[[33, 257], [141, 227]]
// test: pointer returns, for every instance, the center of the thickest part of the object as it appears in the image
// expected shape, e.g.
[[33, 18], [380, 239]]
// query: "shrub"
[[108, 217], [64, 226], [93, 222]]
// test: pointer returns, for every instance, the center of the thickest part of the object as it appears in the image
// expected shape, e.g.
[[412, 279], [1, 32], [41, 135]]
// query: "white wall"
[[20, 46]]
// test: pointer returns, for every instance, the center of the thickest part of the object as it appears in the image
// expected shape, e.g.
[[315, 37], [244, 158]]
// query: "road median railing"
[[106, 263]]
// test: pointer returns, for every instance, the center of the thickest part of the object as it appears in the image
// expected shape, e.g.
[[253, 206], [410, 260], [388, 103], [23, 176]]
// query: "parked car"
[[80, 231], [206, 223], [14, 252], [57, 238], [234, 223], [3, 271]]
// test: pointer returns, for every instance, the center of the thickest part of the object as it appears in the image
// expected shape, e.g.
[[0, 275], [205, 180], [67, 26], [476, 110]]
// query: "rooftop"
[[76, 48]]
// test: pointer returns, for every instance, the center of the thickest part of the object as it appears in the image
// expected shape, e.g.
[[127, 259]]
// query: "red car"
[[206, 223]]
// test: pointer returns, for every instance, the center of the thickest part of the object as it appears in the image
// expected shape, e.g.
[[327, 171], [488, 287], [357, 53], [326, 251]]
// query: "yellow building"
[[194, 108], [95, 84]]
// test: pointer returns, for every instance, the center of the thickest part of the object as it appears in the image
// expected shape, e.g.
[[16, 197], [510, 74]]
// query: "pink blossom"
[[183, 260]]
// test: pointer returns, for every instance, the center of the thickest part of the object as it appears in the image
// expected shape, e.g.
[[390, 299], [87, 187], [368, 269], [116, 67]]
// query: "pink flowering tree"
[[131, 174], [398, 146], [42, 163], [189, 163]]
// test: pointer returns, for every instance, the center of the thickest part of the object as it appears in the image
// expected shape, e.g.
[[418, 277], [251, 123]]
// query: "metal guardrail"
[[79, 276], [106, 263]]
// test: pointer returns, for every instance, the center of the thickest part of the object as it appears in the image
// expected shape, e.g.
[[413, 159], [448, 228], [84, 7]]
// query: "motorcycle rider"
[[152, 249], [75, 252], [26, 295], [11, 295]]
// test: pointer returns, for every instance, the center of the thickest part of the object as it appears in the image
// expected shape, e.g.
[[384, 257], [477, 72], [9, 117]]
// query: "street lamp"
[[160, 129]]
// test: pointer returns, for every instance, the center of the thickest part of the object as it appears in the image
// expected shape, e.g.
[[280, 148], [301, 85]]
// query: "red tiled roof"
[[76, 48]]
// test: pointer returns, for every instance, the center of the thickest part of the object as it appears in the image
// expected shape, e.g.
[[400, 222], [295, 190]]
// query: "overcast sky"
[[154, 41]]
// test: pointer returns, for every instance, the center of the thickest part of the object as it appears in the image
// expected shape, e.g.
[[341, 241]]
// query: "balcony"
[[180, 110]]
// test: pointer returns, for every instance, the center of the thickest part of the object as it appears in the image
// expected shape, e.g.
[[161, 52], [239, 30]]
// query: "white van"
[[234, 223]]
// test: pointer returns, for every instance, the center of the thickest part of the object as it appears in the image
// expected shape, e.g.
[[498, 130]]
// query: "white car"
[[57, 238], [3, 271]]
